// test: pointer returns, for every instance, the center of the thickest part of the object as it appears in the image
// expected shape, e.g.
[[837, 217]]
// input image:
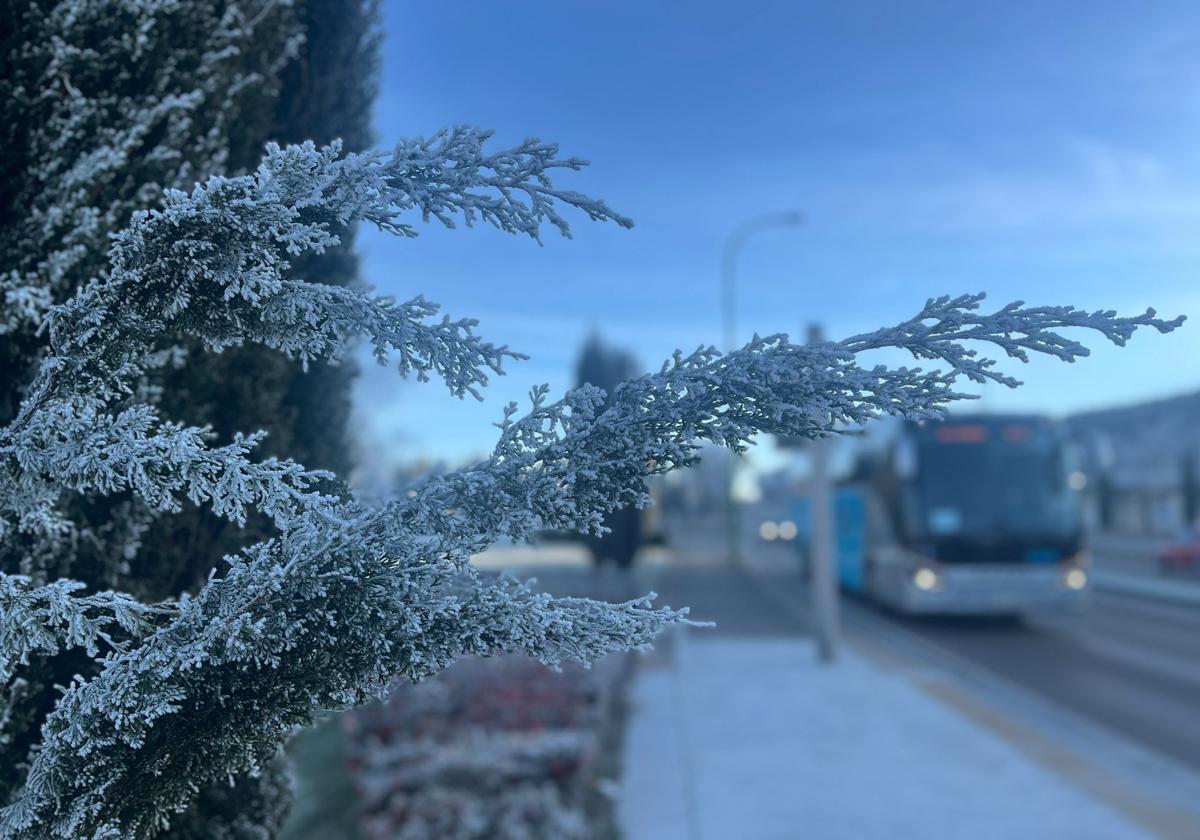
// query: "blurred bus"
[[975, 514]]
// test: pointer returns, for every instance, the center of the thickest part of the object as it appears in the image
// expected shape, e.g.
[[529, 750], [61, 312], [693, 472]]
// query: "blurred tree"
[[607, 367]]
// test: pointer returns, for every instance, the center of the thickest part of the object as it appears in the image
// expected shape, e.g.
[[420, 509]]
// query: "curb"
[[1140, 586]]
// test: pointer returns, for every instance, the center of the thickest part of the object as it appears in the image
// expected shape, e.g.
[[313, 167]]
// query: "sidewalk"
[[743, 735]]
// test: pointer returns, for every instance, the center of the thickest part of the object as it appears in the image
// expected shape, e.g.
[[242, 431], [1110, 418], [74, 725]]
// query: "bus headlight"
[[925, 579], [768, 531], [787, 530], [1075, 579]]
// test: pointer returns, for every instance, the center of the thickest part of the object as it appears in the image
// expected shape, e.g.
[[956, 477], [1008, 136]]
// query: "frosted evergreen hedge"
[[348, 596]]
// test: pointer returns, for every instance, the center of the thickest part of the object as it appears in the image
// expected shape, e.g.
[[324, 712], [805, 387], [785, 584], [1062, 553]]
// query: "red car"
[[1183, 553]]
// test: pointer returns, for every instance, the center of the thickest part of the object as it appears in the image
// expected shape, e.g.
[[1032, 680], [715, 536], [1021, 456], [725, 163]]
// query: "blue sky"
[[1048, 152]]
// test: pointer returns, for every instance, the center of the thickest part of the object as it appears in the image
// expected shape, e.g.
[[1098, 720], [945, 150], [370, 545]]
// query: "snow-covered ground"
[[750, 738]]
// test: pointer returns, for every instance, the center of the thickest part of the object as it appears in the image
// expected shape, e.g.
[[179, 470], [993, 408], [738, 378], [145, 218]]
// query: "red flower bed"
[[491, 748]]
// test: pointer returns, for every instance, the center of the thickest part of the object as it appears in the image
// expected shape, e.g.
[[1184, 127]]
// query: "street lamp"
[[733, 248]]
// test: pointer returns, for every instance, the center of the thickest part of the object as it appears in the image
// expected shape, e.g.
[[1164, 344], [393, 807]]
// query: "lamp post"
[[733, 248]]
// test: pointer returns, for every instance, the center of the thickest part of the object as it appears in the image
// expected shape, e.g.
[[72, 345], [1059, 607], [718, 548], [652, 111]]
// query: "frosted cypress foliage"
[[104, 105], [347, 596], [325, 93], [111, 102]]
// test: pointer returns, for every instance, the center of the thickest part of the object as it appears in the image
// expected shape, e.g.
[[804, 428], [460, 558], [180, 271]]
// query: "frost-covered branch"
[[567, 463], [450, 174], [75, 444], [213, 263], [259, 651], [942, 329], [47, 619], [446, 348]]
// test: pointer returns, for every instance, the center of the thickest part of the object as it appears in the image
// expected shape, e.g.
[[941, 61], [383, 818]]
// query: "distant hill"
[[1145, 443]]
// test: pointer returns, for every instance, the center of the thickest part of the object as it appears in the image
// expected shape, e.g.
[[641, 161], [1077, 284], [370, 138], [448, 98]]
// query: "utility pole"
[[823, 582]]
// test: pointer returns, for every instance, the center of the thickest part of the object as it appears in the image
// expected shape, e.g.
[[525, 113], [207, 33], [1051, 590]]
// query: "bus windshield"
[[992, 480]]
